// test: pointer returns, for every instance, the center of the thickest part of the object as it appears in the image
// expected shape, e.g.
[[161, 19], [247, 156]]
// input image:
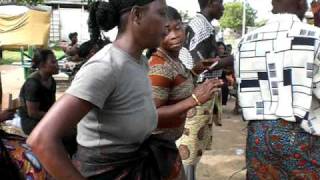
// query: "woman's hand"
[[203, 65], [206, 90], [6, 115], [230, 80], [199, 68]]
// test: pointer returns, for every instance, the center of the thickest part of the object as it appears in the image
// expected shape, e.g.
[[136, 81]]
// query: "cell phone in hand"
[[212, 66]]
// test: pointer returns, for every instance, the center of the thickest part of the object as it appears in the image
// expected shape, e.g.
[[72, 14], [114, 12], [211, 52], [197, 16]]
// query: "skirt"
[[281, 150], [156, 159], [217, 109], [197, 135]]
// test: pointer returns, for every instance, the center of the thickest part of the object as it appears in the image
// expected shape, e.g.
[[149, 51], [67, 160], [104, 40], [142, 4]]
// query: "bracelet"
[[196, 99]]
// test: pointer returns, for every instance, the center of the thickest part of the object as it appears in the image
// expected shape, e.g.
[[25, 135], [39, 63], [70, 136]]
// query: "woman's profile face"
[[52, 64]]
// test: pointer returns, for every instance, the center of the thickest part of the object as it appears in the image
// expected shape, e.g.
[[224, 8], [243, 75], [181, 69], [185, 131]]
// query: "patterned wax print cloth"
[[278, 149]]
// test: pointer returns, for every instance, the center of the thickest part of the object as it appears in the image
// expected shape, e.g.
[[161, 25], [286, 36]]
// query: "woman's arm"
[[224, 62], [45, 140], [34, 111], [168, 112], [6, 115]]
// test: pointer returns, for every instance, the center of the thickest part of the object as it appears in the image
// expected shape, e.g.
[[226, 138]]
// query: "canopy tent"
[[21, 26]]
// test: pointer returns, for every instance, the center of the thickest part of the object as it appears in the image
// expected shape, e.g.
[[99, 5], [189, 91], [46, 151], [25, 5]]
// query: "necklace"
[[177, 65]]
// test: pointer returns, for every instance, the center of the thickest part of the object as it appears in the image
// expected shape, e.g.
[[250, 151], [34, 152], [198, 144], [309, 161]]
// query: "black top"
[[34, 91]]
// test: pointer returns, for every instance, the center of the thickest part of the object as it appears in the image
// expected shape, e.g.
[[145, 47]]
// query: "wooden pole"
[[244, 18]]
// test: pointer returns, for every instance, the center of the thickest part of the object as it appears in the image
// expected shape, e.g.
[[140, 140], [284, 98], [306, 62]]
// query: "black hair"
[[107, 15], [85, 48], [40, 56], [221, 44], [173, 14], [71, 35], [203, 3], [229, 46], [150, 52]]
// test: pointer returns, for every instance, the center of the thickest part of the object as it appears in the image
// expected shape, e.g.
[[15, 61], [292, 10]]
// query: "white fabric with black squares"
[[277, 68]]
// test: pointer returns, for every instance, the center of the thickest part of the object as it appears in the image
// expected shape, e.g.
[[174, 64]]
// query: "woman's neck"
[[44, 76], [207, 15], [172, 54], [127, 44]]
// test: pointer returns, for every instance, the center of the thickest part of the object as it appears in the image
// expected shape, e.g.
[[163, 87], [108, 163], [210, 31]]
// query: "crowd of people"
[[128, 117]]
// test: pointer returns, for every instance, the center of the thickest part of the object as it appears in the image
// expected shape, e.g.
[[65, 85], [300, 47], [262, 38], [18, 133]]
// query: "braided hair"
[[107, 15]]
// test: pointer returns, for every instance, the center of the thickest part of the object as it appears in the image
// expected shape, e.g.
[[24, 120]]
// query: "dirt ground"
[[226, 158]]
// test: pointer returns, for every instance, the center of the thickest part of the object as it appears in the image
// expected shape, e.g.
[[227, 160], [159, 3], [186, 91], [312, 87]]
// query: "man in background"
[[277, 69]]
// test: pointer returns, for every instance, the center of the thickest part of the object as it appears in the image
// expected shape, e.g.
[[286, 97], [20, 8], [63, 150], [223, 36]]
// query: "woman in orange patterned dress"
[[173, 84]]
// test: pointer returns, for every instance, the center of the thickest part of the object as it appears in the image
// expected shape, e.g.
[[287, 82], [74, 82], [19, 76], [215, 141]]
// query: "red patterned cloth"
[[281, 150]]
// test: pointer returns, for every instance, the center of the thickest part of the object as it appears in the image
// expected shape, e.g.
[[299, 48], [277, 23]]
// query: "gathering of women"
[[147, 90]]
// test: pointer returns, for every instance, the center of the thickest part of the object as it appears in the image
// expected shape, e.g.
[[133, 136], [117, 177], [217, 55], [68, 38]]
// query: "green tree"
[[185, 16], [232, 17], [261, 23], [30, 2]]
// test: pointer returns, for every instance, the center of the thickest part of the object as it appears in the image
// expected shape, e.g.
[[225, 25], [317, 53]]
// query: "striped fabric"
[[171, 83]]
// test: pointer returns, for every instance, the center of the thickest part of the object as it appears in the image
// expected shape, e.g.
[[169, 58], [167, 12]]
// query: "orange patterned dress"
[[172, 83]]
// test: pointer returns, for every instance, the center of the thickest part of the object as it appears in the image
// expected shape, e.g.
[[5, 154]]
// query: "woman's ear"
[[136, 14]]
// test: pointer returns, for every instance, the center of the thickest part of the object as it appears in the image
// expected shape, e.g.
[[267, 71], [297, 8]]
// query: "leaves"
[[89, 1], [35, 2], [232, 17], [30, 2], [185, 16]]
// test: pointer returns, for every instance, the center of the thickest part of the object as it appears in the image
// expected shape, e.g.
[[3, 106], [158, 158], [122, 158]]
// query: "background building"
[[68, 16]]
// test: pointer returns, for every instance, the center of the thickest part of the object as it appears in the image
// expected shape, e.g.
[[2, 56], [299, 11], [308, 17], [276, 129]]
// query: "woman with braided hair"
[[110, 101]]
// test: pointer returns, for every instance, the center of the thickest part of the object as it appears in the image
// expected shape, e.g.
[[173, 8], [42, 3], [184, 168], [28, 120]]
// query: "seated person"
[[86, 51], [38, 93], [72, 48]]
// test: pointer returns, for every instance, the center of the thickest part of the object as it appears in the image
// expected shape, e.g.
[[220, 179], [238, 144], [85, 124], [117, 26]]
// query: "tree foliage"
[[185, 16], [261, 23], [232, 17], [30, 2]]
